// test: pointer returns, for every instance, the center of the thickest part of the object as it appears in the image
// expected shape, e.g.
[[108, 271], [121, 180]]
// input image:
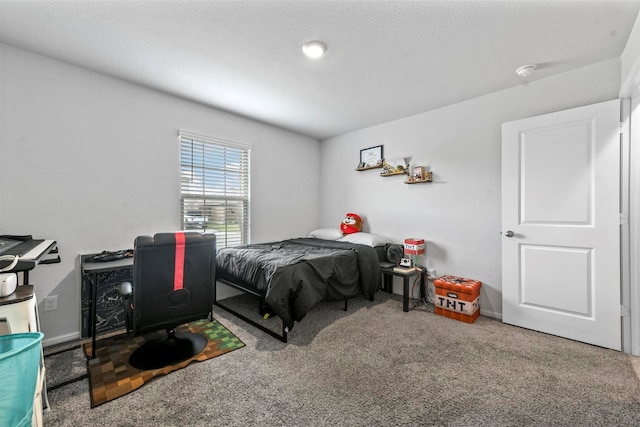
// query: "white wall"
[[630, 58], [92, 162], [459, 213]]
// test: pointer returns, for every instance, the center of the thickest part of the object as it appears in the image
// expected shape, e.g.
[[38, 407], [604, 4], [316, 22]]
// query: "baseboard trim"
[[61, 339], [497, 316]]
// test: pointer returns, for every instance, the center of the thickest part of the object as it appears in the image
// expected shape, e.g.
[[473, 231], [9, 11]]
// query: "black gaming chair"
[[173, 279]]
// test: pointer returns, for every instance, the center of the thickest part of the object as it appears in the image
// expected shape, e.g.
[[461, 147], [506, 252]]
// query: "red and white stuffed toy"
[[352, 223]]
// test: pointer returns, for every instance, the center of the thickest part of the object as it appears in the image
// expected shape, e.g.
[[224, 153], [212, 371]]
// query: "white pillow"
[[362, 238], [326, 233]]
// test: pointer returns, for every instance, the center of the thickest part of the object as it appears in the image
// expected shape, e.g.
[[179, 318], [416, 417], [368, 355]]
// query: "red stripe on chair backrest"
[[178, 275]]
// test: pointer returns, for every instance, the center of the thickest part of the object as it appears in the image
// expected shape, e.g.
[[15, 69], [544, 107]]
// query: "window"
[[214, 188]]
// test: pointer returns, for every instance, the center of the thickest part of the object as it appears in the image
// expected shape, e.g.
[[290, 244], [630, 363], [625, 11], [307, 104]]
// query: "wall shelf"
[[427, 178], [368, 168], [417, 182], [420, 175]]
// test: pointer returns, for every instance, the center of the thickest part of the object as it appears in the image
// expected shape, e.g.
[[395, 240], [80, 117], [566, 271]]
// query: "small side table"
[[387, 282]]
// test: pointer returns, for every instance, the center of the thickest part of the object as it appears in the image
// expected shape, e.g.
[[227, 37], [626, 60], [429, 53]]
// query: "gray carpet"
[[374, 365]]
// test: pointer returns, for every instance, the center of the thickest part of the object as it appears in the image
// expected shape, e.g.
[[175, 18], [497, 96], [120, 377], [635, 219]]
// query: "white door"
[[560, 219]]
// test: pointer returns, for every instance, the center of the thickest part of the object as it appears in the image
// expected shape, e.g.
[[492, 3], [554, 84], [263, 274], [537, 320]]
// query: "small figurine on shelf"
[[419, 173], [386, 168]]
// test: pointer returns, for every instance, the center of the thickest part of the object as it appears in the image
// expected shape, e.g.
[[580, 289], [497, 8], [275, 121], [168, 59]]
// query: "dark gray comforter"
[[296, 274]]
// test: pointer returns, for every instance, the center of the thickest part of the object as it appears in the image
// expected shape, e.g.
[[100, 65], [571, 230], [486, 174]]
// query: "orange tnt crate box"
[[457, 298]]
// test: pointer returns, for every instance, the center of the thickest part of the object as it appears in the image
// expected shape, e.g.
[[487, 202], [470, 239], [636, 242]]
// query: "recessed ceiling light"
[[526, 70], [314, 49]]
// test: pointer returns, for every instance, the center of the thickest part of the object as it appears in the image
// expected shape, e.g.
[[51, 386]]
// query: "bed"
[[292, 276]]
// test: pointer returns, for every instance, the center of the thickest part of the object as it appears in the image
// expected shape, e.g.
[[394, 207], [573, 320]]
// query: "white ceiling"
[[386, 59]]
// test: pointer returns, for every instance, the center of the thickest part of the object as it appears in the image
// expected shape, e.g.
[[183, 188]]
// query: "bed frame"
[[251, 290], [368, 259]]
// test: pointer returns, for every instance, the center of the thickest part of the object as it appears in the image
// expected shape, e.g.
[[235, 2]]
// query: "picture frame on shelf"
[[371, 157]]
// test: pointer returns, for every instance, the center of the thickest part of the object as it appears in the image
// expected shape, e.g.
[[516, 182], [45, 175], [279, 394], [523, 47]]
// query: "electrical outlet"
[[51, 303], [432, 273]]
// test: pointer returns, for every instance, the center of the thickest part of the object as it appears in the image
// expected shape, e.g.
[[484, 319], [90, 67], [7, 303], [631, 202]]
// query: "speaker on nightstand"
[[395, 253]]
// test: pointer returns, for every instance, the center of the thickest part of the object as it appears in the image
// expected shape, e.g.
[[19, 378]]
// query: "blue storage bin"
[[19, 365]]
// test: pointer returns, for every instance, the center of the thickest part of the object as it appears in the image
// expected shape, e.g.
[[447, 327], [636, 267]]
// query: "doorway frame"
[[630, 207]]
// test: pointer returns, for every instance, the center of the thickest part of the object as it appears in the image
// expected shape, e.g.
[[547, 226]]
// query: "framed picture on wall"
[[371, 156]]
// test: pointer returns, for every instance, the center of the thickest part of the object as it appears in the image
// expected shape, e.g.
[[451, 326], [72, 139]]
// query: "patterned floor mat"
[[111, 376]]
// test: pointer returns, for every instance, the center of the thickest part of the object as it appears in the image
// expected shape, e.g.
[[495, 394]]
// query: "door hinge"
[[625, 311], [624, 219]]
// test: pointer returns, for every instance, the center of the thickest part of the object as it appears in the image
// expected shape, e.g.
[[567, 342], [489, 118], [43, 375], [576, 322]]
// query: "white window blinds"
[[214, 188]]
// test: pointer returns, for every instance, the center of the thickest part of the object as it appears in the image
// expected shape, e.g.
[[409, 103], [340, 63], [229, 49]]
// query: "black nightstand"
[[387, 282]]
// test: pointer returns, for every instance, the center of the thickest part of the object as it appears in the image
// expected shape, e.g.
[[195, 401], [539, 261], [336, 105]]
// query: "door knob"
[[508, 233]]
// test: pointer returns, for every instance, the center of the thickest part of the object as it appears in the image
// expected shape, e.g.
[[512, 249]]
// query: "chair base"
[[175, 348]]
